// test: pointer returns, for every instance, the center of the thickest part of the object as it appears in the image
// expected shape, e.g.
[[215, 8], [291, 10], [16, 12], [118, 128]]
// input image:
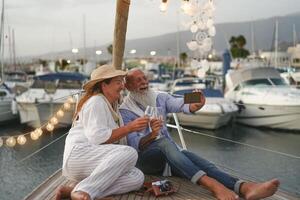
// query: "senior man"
[[155, 152]]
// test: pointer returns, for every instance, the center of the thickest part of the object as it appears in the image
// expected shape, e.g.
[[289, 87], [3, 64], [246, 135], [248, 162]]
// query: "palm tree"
[[110, 49], [183, 57]]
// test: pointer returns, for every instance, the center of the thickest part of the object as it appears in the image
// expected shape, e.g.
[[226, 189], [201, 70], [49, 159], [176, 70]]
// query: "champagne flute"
[[149, 111]]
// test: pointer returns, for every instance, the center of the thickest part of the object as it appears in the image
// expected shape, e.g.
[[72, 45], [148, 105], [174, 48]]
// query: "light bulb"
[[163, 6], [49, 127], [54, 120], [70, 100], [11, 142], [1, 142], [21, 139], [34, 135], [67, 106], [39, 131], [60, 113]]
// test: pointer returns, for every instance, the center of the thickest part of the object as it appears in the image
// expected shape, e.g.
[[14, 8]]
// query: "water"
[[17, 179]]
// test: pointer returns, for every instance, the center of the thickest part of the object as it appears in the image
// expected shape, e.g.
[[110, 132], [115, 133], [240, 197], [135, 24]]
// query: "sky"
[[43, 26]]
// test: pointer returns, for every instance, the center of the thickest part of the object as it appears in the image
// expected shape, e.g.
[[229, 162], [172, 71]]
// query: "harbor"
[[236, 97]]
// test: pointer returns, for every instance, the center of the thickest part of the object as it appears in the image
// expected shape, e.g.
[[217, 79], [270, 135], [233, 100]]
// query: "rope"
[[32, 154], [235, 142]]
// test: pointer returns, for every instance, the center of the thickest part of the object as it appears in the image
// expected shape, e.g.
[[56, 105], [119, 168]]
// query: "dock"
[[185, 190]]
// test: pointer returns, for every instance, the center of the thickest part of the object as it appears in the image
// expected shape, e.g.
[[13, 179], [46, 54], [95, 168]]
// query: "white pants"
[[103, 170]]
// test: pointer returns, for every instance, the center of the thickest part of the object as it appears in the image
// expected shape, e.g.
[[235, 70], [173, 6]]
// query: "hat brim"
[[91, 83]]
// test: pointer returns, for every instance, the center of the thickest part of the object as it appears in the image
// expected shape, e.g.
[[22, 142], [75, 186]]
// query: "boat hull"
[[277, 117], [205, 119], [37, 115]]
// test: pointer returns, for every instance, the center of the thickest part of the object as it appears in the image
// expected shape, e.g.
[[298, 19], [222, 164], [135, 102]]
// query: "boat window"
[[278, 81], [69, 84], [257, 83], [3, 93], [42, 84]]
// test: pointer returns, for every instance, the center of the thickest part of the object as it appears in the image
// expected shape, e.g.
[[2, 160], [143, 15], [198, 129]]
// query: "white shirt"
[[94, 126]]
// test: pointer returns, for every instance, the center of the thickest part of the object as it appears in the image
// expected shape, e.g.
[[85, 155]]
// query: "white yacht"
[[216, 112], [263, 97], [47, 95], [8, 110], [17, 81]]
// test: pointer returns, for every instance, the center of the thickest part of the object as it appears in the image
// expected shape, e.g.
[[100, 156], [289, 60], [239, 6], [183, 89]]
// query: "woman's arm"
[[138, 124]]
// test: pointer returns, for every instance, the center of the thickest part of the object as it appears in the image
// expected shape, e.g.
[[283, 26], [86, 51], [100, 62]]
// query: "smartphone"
[[194, 97]]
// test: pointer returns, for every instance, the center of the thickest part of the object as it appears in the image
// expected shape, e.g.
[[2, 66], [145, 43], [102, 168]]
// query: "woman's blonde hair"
[[92, 91]]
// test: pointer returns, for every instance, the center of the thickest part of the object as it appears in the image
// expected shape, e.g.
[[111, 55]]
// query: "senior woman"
[[91, 155]]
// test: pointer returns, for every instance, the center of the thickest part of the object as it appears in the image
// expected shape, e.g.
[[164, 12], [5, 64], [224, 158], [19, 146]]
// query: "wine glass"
[[149, 111]]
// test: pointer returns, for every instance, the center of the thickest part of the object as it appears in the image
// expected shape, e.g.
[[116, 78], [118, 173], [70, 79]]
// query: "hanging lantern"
[[192, 45], [212, 31], [11, 142], [21, 139], [194, 28]]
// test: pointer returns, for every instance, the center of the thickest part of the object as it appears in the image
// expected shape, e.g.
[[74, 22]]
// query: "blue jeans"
[[183, 163]]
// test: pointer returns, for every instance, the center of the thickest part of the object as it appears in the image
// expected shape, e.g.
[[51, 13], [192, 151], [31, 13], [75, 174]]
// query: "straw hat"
[[101, 73]]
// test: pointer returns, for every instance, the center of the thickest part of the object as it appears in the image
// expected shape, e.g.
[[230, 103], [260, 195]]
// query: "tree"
[[183, 57], [237, 47], [110, 49]]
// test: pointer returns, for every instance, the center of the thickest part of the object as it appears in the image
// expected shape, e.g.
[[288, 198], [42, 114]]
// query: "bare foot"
[[255, 191], [80, 195], [219, 191], [63, 192], [222, 193]]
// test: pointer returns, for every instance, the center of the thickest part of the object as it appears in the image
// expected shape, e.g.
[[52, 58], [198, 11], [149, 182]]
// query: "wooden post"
[[120, 32]]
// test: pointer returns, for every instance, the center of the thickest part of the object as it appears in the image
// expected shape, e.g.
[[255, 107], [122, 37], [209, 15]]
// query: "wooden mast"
[[120, 32]]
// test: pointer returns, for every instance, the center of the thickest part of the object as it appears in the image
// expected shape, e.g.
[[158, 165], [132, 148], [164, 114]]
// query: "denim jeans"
[[183, 163]]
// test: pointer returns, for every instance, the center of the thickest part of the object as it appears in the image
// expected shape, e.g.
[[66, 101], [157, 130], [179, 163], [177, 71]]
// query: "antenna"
[[2, 39]]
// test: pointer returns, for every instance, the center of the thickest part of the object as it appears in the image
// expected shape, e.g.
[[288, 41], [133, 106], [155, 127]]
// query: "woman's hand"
[[138, 124]]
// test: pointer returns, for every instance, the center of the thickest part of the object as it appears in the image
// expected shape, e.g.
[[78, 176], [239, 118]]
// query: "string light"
[[39, 131], [54, 120], [11, 142], [70, 100], [21, 139], [34, 135], [50, 127], [60, 113], [67, 106]]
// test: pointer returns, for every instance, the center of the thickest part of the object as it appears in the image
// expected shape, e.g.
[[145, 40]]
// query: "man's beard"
[[147, 98]]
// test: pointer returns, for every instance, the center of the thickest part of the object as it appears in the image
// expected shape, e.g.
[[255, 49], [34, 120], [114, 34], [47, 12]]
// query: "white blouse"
[[94, 126]]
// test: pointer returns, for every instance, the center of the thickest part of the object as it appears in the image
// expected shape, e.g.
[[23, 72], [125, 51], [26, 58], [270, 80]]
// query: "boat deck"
[[185, 191]]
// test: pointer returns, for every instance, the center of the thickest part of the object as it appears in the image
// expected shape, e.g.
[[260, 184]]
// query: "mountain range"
[[263, 32]]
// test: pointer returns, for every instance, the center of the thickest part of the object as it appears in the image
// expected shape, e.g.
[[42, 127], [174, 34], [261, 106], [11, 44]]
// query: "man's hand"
[[197, 106], [138, 124], [155, 125]]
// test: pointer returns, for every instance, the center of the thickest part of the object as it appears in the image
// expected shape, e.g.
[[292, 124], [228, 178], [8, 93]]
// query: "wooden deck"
[[186, 191]]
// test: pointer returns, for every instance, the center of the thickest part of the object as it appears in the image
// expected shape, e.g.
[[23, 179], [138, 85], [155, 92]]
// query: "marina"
[[237, 108]]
